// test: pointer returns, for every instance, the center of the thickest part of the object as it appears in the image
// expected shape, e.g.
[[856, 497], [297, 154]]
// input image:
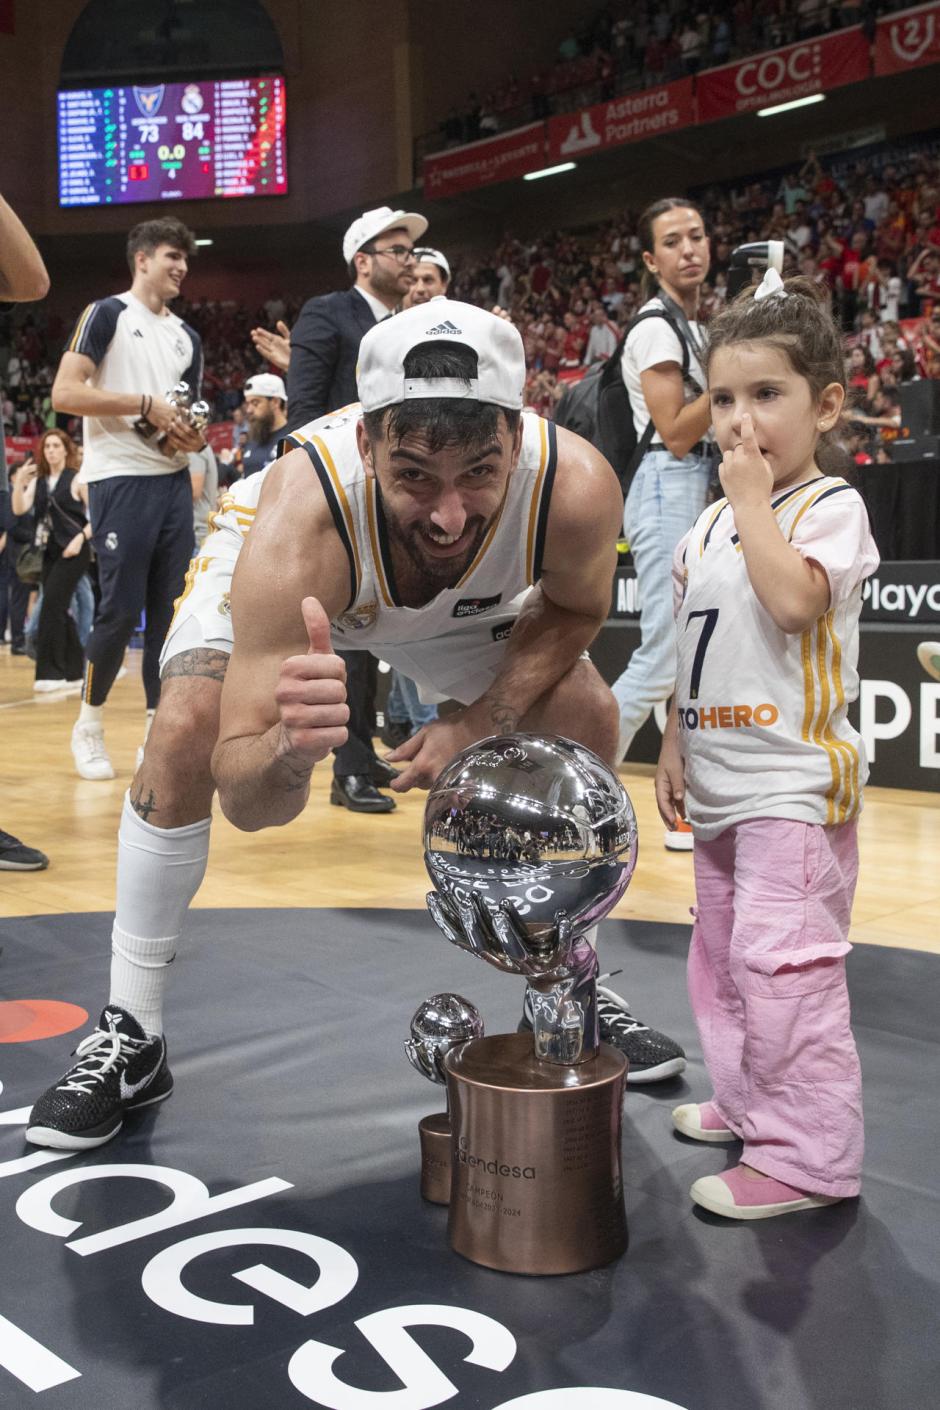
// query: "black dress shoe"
[[382, 773], [359, 793]]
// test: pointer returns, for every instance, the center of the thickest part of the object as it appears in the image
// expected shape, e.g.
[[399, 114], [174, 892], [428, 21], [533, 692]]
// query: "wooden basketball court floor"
[[330, 857]]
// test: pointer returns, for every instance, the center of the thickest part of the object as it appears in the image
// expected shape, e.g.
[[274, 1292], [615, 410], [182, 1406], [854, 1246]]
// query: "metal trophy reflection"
[[194, 414], [530, 841], [439, 1025]]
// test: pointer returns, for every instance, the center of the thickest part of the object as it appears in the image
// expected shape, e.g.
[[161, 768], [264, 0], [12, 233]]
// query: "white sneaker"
[[89, 753], [681, 839], [43, 687]]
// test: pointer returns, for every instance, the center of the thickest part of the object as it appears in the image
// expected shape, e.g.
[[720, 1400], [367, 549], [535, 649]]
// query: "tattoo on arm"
[[297, 774], [143, 808], [504, 717], [201, 661]]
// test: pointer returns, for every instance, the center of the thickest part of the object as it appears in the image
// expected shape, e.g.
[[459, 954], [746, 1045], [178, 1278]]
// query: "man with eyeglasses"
[[324, 348]]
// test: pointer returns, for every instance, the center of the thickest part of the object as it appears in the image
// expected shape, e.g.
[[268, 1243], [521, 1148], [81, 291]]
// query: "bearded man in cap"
[[266, 413], [437, 525]]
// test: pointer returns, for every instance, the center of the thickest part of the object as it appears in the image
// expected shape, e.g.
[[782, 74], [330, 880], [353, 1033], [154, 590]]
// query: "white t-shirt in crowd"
[[652, 342]]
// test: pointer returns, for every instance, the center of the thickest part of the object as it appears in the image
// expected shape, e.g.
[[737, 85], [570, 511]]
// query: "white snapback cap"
[[266, 384], [425, 255], [500, 375], [372, 223]]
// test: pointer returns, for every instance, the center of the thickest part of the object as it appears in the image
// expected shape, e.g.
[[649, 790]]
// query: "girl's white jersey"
[[453, 646], [762, 713]]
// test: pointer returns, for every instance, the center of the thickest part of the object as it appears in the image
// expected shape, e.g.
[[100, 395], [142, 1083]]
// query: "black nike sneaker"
[[120, 1068], [651, 1056]]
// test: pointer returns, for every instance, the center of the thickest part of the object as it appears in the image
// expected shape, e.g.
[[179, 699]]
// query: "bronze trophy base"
[[536, 1180], [435, 1135]]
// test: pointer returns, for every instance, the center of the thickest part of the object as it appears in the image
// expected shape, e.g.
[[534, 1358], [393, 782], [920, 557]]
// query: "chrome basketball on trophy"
[[440, 1024], [194, 414], [530, 841]]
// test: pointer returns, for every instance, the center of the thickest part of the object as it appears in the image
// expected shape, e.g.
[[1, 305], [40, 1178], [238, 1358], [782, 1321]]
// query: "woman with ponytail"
[[671, 411]]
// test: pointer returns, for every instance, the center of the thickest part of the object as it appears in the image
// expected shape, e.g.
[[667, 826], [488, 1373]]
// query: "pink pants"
[[767, 986]]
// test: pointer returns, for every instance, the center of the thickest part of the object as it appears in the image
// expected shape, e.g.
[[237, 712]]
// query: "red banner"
[[482, 163], [908, 40], [632, 118], [18, 447], [784, 75]]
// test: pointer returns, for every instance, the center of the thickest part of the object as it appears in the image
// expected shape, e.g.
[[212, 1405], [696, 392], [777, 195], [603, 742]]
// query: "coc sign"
[[783, 75]]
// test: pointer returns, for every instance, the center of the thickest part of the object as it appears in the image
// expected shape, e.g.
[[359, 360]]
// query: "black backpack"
[[598, 407]]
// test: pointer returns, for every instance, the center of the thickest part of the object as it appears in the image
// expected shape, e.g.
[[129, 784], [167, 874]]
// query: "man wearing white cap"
[[324, 347], [266, 411], [378, 249], [430, 275], [436, 524]]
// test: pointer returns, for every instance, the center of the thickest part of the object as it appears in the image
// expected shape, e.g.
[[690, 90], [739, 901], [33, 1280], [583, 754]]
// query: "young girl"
[[759, 755]]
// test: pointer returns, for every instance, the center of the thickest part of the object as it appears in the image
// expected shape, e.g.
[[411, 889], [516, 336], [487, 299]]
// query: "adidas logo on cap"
[[445, 327]]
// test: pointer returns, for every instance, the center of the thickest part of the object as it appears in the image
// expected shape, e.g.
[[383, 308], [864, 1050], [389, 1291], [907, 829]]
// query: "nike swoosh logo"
[[130, 1089]]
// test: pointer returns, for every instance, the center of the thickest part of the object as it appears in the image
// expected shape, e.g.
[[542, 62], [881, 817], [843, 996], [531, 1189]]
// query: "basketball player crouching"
[[437, 525]]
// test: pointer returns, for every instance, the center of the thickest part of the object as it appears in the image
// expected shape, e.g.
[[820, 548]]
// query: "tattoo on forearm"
[[201, 661], [298, 775], [504, 717], [143, 808], [297, 770]]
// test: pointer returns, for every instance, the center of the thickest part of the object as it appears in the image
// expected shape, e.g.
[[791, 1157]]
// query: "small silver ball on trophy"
[[530, 841], [439, 1025]]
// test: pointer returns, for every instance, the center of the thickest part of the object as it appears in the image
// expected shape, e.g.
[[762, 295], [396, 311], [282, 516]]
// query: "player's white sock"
[[90, 714], [159, 872]]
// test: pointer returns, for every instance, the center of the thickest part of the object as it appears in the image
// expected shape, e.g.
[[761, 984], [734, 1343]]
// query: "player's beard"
[[433, 575], [261, 427]]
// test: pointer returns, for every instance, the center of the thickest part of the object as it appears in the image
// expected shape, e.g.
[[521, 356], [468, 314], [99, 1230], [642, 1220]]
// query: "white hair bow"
[[771, 286]]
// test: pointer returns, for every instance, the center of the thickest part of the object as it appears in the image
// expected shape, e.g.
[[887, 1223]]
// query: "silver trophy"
[[530, 841], [443, 1022], [194, 413]]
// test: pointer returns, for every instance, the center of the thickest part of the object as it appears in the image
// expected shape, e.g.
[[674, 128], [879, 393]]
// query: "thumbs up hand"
[[311, 694]]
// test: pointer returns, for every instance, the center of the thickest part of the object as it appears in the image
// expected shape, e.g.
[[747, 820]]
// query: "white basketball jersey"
[[762, 713]]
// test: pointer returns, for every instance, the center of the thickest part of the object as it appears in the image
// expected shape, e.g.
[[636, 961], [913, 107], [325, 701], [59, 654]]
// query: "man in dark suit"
[[324, 347]]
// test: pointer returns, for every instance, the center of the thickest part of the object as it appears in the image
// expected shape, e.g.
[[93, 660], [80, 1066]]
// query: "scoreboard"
[[172, 141]]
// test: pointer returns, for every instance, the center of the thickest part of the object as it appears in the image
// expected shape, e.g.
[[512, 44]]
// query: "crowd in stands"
[[639, 43], [865, 226], [866, 229]]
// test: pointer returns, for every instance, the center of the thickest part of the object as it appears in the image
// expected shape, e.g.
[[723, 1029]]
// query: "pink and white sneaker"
[[738, 1195], [701, 1122]]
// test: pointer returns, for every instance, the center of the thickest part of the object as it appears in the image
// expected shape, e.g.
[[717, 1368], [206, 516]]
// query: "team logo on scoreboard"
[[191, 101], [149, 99]]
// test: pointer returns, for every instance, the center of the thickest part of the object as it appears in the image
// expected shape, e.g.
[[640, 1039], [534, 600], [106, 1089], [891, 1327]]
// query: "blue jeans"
[[81, 607], [404, 706], [665, 499]]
